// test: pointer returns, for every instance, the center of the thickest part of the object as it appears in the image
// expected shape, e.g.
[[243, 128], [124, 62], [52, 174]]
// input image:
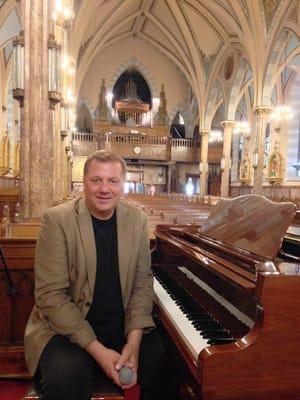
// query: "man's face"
[[103, 187]]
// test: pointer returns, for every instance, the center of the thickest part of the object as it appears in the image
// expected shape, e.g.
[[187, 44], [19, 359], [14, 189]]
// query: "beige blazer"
[[65, 271]]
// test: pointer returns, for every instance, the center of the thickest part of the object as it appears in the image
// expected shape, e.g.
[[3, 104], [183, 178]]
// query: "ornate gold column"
[[203, 167], [226, 160], [262, 113], [36, 156]]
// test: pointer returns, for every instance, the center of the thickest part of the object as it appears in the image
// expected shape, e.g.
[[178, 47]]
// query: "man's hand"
[[130, 354], [106, 358]]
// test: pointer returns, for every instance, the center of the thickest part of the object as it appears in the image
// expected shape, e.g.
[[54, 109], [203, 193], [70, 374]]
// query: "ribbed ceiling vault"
[[194, 34]]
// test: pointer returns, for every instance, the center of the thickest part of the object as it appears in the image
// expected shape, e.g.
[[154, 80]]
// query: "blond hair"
[[104, 156]]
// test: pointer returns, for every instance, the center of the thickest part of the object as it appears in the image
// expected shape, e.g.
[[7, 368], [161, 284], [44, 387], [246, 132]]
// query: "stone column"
[[262, 113], [170, 171], [203, 168], [226, 160], [36, 156]]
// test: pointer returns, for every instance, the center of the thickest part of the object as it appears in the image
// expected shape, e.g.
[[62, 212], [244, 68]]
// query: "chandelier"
[[282, 113], [63, 12], [242, 127], [215, 136]]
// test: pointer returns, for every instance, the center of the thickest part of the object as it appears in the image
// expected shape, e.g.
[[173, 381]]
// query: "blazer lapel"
[[88, 241], [125, 242]]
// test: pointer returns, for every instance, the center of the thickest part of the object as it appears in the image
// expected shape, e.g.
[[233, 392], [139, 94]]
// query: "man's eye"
[[95, 180], [114, 181]]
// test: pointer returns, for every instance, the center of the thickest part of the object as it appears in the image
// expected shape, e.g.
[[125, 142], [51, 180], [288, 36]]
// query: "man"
[[93, 291]]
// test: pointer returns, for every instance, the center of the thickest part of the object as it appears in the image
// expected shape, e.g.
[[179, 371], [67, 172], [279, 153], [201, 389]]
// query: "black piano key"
[[203, 322], [216, 335], [216, 341]]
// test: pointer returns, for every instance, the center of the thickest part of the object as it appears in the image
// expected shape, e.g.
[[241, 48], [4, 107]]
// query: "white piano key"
[[189, 334]]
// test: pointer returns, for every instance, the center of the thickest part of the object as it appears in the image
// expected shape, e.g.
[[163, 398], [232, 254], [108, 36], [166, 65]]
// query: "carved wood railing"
[[141, 146]]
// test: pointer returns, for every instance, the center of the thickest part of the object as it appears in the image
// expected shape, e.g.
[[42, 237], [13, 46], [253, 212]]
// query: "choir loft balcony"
[[144, 147]]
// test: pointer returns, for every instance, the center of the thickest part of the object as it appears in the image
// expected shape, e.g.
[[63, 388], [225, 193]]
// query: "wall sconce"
[[54, 71], [242, 127], [255, 158], [18, 74], [63, 120], [282, 113], [70, 98], [215, 136], [62, 14]]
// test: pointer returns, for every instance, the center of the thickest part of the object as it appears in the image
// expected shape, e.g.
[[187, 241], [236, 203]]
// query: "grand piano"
[[228, 307]]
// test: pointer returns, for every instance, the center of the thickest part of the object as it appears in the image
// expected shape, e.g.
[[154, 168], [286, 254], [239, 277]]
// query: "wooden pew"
[[166, 211], [22, 229], [16, 302]]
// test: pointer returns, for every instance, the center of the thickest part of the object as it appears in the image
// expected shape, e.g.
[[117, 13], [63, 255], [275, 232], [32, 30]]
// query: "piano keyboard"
[[187, 331], [196, 327]]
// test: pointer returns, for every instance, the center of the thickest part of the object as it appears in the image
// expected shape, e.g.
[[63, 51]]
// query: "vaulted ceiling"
[[194, 34]]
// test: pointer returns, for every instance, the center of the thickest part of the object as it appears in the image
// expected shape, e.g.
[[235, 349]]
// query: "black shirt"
[[106, 314]]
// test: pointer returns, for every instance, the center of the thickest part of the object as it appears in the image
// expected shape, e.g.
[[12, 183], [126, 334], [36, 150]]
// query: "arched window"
[[177, 129], [84, 119]]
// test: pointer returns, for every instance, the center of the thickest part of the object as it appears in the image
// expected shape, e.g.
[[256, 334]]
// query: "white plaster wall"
[[154, 66]]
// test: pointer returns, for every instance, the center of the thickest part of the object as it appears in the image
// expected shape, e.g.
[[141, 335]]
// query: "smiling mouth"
[[104, 198]]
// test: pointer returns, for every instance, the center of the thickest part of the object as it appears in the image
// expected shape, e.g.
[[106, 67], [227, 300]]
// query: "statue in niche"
[[245, 170], [274, 168]]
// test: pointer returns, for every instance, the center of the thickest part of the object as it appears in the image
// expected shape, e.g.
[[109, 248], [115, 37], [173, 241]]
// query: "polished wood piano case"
[[253, 296]]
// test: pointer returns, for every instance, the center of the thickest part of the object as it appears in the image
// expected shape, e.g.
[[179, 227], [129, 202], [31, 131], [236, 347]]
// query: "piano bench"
[[108, 392]]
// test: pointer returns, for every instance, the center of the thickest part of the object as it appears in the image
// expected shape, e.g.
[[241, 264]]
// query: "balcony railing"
[[83, 136], [134, 138], [152, 147]]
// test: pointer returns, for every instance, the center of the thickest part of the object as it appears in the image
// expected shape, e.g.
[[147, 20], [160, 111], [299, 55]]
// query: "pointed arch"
[[187, 115], [274, 63], [216, 98], [139, 66], [293, 140], [88, 111], [241, 81], [176, 127]]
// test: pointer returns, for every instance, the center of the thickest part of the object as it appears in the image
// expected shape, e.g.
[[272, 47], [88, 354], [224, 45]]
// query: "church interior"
[[201, 98]]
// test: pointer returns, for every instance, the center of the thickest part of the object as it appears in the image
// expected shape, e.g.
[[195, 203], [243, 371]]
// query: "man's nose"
[[104, 186]]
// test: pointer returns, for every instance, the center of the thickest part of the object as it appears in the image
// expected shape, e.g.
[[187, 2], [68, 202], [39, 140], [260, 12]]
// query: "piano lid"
[[251, 222]]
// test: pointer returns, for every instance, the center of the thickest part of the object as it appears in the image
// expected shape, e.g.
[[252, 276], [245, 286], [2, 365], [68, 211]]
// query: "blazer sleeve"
[[139, 310], [52, 284]]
